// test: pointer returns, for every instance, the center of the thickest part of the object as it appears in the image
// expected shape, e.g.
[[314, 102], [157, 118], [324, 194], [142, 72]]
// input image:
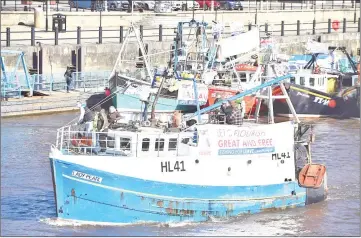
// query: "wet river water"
[[28, 207]]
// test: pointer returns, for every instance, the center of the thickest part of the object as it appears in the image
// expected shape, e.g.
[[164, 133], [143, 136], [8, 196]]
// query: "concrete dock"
[[56, 102]]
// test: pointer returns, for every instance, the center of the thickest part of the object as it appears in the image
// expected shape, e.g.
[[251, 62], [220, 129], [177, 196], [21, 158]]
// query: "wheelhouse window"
[[292, 80], [172, 145], [125, 143], [312, 82], [145, 144], [159, 144], [185, 140], [243, 77], [320, 81], [302, 80]]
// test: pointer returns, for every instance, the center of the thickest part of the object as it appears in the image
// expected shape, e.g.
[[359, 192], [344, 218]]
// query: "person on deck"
[[241, 104], [107, 92], [235, 118], [86, 117], [113, 115]]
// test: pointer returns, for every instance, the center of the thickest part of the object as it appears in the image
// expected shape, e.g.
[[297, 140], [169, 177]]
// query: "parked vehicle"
[[147, 5], [184, 5], [118, 5], [208, 4], [231, 5]]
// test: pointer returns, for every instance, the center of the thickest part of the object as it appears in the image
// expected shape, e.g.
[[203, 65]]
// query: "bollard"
[[314, 27], [141, 31], [32, 37], [7, 36], [344, 25], [266, 28], [160, 32], [56, 36], [100, 35], [298, 27], [329, 26], [78, 35], [359, 25], [121, 34], [282, 28]]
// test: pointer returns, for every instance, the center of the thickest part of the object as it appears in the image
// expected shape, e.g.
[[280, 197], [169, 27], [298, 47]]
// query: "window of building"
[[159, 144], [172, 144], [145, 144]]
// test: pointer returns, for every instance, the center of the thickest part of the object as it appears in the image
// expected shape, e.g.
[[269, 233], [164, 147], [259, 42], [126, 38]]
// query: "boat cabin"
[[152, 143], [322, 82]]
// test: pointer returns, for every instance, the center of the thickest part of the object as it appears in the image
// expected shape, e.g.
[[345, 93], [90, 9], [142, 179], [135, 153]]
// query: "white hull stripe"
[[169, 197]]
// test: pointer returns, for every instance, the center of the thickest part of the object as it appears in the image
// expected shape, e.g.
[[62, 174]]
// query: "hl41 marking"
[[277, 156], [168, 167]]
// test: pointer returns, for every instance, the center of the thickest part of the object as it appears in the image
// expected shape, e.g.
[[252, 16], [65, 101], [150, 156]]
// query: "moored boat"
[[321, 92]]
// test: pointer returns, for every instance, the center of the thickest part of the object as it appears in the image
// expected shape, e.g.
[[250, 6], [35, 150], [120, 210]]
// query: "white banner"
[[240, 44], [277, 140], [317, 47], [186, 94]]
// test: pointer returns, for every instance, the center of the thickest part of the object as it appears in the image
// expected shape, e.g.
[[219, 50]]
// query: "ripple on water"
[[28, 207]]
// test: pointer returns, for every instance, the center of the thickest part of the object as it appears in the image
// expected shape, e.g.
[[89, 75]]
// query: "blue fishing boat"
[[163, 174]]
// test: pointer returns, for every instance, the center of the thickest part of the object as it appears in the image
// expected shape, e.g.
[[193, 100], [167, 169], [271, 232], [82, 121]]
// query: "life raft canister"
[[312, 175]]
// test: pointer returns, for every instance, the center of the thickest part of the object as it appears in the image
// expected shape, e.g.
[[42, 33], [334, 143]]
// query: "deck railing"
[[76, 141]]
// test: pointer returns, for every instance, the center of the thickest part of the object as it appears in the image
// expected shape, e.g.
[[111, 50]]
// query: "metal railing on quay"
[[163, 33], [94, 81], [248, 5]]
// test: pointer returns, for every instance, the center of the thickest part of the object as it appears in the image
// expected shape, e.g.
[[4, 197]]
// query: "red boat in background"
[[250, 101], [245, 68]]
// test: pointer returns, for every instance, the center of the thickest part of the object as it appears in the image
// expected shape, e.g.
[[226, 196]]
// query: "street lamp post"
[[354, 14], [255, 19], [46, 20]]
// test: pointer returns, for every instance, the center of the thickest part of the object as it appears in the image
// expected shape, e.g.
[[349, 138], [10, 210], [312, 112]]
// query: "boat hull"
[[312, 103], [91, 195]]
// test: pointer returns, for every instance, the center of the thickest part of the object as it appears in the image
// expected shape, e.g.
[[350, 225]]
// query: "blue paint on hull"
[[123, 199], [164, 104]]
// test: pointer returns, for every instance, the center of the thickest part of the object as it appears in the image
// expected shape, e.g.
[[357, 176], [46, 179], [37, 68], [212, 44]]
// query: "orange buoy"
[[311, 175], [335, 25], [332, 103]]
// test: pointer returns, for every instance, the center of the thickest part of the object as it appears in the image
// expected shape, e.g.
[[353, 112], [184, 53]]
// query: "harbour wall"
[[100, 57]]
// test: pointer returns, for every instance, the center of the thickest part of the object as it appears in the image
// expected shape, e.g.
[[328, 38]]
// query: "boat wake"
[[63, 222]]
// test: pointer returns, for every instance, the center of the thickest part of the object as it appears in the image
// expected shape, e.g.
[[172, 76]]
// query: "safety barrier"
[[94, 81], [161, 33]]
